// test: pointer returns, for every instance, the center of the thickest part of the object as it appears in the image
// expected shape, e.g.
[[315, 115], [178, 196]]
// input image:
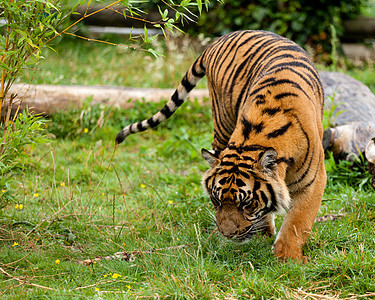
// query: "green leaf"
[[146, 34], [154, 53], [199, 4]]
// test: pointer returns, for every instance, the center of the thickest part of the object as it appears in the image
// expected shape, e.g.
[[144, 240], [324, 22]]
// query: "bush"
[[20, 137], [306, 22]]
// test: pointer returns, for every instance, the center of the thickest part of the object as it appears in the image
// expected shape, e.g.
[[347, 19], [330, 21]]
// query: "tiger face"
[[245, 190]]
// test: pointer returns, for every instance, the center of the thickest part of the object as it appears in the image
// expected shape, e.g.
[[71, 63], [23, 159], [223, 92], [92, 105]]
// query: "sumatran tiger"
[[267, 157]]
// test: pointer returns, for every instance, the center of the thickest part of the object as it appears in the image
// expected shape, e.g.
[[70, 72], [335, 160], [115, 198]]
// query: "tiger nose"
[[228, 228]]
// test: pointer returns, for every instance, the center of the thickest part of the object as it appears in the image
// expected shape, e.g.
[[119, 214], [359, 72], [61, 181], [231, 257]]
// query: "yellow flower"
[[115, 275], [57, 261], [62, 183], [143, 186], [3, 191], [20, 206], [97, 289], [129, 287], [16, 206], [36, 195], [170, 202], [85, 130], [178, 239], [105, 275], [15, 244]]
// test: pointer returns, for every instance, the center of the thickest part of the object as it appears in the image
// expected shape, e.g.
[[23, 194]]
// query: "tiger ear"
[[211, 156], [268, 161]]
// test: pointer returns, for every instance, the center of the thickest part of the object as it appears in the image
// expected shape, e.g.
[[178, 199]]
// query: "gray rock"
[[354, 99], [354, 122]]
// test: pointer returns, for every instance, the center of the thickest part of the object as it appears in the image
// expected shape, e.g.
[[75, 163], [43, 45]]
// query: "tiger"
[[267, 156]]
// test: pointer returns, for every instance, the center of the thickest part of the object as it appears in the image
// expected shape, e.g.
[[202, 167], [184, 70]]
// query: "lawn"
[[82, 198]]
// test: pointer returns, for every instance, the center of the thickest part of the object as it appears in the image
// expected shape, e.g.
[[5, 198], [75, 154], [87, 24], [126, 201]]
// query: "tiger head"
[[244, 187]]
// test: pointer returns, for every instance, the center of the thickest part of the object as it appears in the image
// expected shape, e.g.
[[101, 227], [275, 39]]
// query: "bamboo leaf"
[[145, 34], [199, 4]]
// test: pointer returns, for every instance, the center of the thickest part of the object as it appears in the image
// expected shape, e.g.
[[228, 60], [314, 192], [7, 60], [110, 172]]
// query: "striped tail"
[[190, 80]]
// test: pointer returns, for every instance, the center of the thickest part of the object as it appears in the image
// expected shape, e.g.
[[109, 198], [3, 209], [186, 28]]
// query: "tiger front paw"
[[284, 251]]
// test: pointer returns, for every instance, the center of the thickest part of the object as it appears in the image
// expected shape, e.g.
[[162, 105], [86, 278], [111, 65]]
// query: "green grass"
[[82, 199], [92, 201], [91, 63]]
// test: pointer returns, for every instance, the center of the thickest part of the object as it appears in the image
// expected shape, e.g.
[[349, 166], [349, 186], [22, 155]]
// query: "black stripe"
[[194, 67], [248, 158], [256, 187], [196, 74], [130, 129], [264, 198], [288, 161], [314, 177], [227, 163], [223, 180], [187, 84], [306, 77], [279, 82], [166, 111], [258, 127], [268, 80], [299, 63], [307, 141], [283, 95], [272, 194], [304, 173], [224, 124], [220, 47], [175, 98], [245, 166], [271, 111], [220, 140], [240, 183], [260, 100], [140, 127], [280, 131], [152, 123], [249, 62], [246, 127]]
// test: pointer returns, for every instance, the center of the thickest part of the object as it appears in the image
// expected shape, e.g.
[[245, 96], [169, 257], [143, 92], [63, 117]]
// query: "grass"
[[91, 63], [82, 198]]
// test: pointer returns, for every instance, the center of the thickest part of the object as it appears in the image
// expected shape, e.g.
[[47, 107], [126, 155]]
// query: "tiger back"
[[267, 155]]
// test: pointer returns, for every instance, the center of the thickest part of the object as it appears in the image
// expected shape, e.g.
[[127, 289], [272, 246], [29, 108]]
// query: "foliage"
[[20, 138], [73, 123], [306, 22], [329, 114], [171, 17], [349, 173], [27, 28]]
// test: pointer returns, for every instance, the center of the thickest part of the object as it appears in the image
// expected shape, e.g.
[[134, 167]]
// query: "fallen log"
[[49, 99]]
